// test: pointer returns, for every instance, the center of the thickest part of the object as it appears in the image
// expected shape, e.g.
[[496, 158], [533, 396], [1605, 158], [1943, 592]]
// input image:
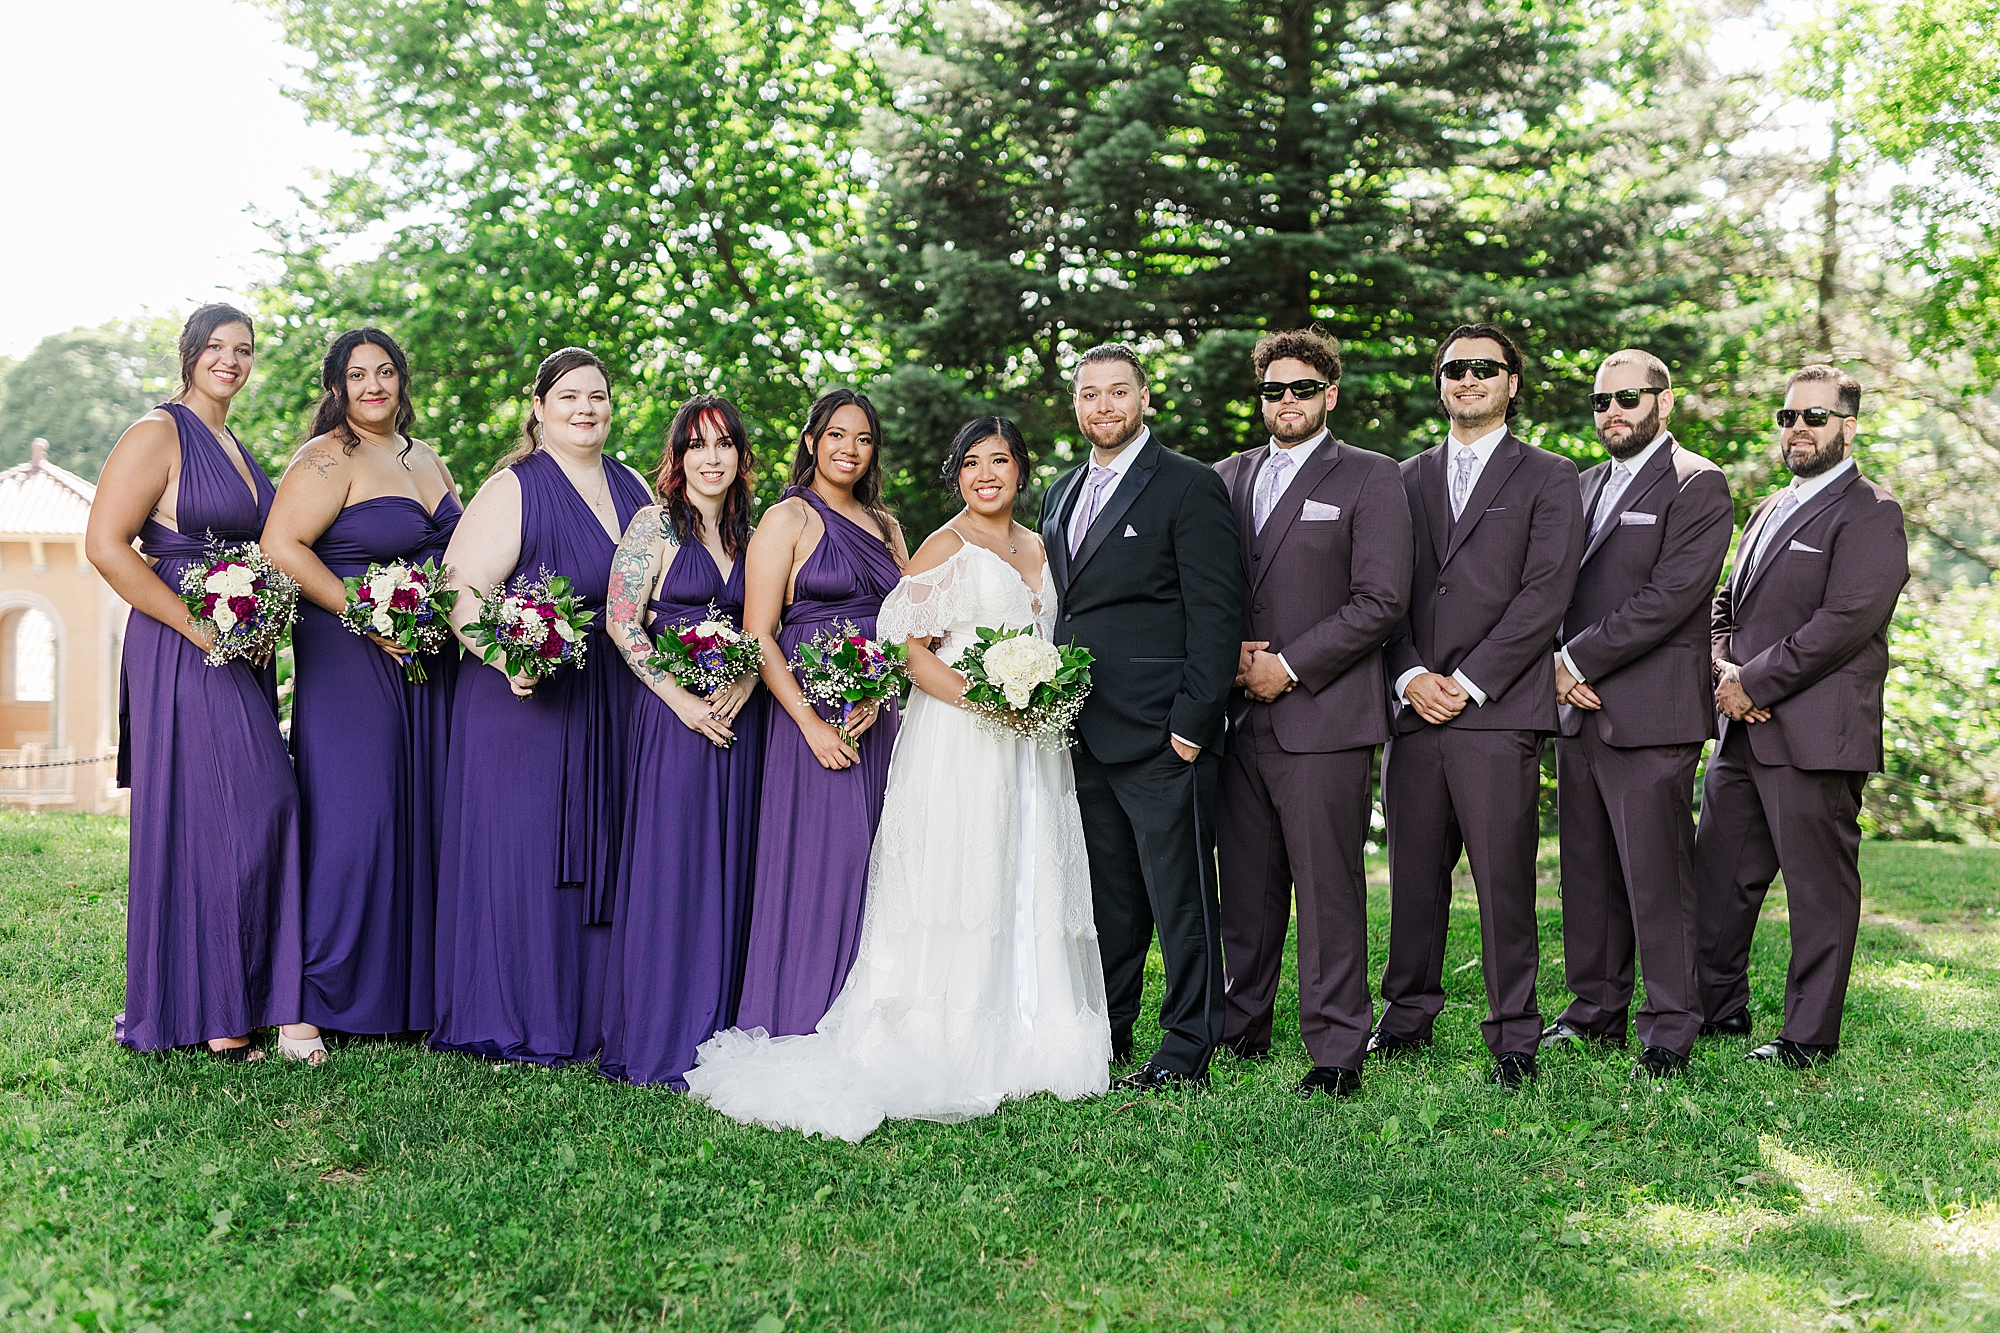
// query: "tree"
[[80, 390]]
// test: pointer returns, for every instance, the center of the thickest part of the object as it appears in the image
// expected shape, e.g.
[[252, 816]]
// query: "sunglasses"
[[1815, 417], [1271, 391], [1626, 398], [1481, 369]]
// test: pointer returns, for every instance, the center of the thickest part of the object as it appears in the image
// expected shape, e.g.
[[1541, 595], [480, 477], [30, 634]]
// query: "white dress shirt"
[[1633, 466], [1482, 449], [1805, 488], [1298, 453]]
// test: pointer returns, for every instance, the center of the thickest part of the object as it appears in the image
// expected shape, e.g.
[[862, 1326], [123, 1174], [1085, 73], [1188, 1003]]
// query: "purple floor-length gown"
[[212, 924], [533, 795], [815, 824], [690, 831], [370, 748]]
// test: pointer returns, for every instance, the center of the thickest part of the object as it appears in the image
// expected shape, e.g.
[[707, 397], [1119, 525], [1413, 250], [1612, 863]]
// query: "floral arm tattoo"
[[631, 583]]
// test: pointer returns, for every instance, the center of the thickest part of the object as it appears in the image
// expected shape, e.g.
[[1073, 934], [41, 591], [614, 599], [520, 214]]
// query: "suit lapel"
[[1113, 513], [1242, 487], [1801, 516], [1661, 463], [1059, 509], [1437, 505], [1507, 456], [1286, 512]]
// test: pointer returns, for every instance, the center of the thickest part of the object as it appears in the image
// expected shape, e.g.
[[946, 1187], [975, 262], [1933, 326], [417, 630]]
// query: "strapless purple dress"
[[683, 905], [534, 792], [212, 917], [816, 824], [370, 749]]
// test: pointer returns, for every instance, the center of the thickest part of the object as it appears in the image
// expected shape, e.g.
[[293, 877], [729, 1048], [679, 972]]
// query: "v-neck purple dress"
[[816, 824], [534, 791], [212, 919], [370, 749], [683, 905]]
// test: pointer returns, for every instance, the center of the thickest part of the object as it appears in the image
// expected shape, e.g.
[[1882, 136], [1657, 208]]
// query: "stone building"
[[62, 631]]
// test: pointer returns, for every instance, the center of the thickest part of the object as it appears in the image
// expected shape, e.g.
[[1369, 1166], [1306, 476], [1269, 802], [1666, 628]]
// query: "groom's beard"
[[1112, 445]]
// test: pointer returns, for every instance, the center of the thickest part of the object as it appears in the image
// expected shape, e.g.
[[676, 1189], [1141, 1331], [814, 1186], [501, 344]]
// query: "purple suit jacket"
[[1638, 617], [1325, 589], [1809, 626], [1491, 588]]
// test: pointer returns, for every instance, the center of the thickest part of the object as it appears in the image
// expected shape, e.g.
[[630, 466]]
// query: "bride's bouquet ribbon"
[[841, 666], [532, 628], [245, 602], [1019, 684], [407, 604], [706, 655]]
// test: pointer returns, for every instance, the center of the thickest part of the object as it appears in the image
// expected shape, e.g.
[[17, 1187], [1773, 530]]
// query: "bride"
[[978, 977]]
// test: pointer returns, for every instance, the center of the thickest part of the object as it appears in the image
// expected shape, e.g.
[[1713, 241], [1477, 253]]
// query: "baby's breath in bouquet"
[[244, 601], [1017, 684]]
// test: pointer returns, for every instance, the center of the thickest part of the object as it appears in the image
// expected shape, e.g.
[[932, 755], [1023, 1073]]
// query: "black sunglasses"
[[1815, 417], [1271, 391], [1481, 369], [1627, 398]]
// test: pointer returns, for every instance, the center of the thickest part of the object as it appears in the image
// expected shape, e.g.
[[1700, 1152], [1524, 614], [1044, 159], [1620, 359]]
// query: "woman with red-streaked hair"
[[694, 761]]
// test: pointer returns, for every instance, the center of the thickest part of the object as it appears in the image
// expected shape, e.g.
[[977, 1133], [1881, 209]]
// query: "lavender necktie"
[[1461, 481], [1613, 488], [1100, 481], [1268, 487], [1771, 526]]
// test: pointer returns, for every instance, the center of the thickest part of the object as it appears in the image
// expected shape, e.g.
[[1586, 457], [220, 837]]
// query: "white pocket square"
[[1315, 512], [1801, 546], [1129, 532], [1633, 516]]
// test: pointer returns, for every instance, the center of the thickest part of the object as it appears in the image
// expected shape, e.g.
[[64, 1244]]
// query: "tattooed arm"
[[636, 569]]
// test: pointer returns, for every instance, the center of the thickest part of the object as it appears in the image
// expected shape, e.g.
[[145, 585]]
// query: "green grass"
[[401, 1190]]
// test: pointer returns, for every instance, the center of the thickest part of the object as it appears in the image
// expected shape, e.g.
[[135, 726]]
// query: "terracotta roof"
[[38, 498]]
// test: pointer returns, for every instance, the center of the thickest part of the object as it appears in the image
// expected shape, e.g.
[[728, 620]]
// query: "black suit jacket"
[[1491, 588], [1156, 594], [1809, 625], [1325, 589], [1638, 622]]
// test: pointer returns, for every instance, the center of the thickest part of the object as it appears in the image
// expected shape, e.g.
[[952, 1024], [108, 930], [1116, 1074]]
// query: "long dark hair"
[[331, 416], [976, 432], [670, 481], [200, 326], [554, 366], [805, 463]]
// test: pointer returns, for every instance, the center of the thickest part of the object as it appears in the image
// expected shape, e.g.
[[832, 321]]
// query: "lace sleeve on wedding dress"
[[927, 605]]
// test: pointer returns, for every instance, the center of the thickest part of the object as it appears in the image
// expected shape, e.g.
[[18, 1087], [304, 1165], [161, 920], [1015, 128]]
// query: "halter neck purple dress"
[[816, 824], [534, 790], [683, 905], [370, 749], [212, 922]]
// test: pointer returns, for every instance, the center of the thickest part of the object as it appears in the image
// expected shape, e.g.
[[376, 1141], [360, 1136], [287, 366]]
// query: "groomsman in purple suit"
[[1633, 678], [1325, 532], [1499, 533], [1799, 638]]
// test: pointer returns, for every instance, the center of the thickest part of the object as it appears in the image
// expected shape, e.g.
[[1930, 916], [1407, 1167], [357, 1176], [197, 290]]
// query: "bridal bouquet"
[[406, 604], [531, 628], [707, 655], [1019, 685], [838, 665], [243, 600]]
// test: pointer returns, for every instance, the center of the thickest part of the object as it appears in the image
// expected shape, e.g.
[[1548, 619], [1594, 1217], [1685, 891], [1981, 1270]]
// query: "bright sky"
[[147, 135]]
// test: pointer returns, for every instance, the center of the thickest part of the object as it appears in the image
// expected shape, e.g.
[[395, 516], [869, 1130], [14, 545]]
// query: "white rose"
[[383, 623], [565, 631], [225, 619], [709, 629], [1018, 695], [1019, 664], [530, 621], [383, 586]]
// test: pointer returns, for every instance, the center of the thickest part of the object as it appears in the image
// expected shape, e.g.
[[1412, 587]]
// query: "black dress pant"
[[1149, 826]]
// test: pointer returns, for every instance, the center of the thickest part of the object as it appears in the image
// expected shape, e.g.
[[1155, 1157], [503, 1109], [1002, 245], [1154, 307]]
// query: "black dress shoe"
[[1150, 1077], [1385, 1043], [1512, 1070], [1793, 1054], [1560, 1033], [1735, 1025], [1332, 1080], [1658, 1062]]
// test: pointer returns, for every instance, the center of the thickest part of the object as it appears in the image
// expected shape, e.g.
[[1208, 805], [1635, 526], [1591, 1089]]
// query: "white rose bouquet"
[[407, 604], [532, 628], [244, 601], [706, 656], [1019, 685]]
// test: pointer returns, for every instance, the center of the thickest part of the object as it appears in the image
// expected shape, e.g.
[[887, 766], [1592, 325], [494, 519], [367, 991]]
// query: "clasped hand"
[[1259, 673], [1437, 699], [1733, 703], [1571, 691]]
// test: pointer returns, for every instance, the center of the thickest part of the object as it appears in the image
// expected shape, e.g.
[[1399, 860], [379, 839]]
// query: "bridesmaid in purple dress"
[[827, 552], [683, 902], [534, 781], [369, 743], [212, 923]]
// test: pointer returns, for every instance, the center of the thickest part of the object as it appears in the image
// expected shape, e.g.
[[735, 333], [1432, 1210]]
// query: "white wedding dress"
[[977, 977]]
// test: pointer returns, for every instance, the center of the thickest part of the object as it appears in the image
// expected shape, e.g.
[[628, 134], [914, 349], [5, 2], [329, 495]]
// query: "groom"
[[1143, 548]]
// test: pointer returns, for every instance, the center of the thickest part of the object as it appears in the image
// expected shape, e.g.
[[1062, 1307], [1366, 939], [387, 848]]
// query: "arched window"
[[34, 658]]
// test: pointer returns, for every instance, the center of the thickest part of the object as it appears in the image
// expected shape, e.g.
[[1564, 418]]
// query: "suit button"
[[1258, 610], [1069, 617], [1441, 590]]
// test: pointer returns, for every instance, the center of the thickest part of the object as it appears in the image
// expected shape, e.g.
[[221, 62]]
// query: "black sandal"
[[236, 1055]]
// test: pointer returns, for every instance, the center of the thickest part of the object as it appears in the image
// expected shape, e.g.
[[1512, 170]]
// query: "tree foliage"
[[79, 391]]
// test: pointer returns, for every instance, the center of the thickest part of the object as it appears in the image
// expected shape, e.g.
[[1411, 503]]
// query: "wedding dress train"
[[977, 977]]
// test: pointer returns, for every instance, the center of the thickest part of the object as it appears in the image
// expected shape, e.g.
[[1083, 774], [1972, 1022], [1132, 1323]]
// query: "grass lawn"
[[401, 1190]]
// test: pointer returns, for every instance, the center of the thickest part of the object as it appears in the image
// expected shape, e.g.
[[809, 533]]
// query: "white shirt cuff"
[[1403, 683], [1185, 741], [1478, 695], [1570, 666], [1288, 668]]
